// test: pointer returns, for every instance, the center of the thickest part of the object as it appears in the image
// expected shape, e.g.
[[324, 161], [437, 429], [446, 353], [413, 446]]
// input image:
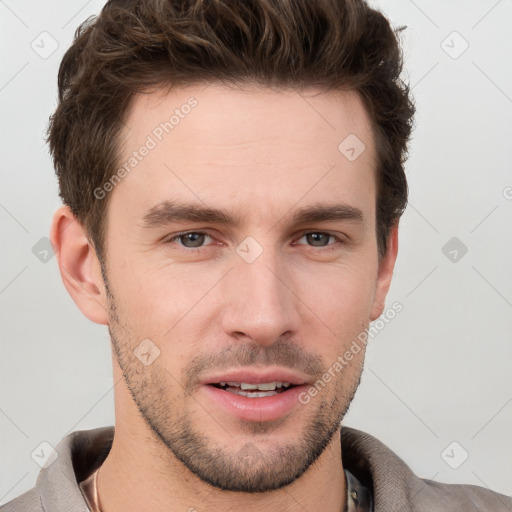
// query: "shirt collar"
[[359, 497]]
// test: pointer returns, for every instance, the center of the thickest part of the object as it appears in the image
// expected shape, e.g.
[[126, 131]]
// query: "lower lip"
[[266, 408]]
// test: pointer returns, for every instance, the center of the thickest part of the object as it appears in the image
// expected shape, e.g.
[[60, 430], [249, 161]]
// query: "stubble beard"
[[252, 468]]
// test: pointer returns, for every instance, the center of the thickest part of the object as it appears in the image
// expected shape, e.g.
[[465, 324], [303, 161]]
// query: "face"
[[241, 262]]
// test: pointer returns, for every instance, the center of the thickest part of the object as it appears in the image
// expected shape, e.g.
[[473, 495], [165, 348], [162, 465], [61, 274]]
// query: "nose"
[[259, 302]]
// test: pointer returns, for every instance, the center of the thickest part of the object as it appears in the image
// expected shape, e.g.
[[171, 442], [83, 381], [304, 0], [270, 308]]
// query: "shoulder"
[[29, 501], [57, 486], [395, 487], [464, 497]]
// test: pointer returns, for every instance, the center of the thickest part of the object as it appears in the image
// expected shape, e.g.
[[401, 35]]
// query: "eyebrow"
[[168, 212]]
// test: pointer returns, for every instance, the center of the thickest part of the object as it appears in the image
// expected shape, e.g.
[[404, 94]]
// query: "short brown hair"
[[133, 46]]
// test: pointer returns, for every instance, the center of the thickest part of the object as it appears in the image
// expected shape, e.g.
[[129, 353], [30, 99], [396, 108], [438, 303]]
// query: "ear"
[[79, 265], [386, 266]]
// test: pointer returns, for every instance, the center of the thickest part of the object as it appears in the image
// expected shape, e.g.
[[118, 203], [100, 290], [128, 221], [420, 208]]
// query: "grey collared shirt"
[[394, 487], [359, 497]]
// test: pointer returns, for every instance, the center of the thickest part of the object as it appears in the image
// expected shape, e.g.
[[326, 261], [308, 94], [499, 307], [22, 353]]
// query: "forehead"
[[252, 146], [231, 115]]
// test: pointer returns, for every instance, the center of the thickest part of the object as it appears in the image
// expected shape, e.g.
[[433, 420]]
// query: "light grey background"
[[437, 373]]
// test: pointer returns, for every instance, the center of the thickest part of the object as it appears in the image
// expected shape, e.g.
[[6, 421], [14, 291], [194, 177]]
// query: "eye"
[[190, 240], [319, 239], [196, 239]]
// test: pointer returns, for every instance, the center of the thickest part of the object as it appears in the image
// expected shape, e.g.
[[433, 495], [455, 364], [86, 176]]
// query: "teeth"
[[233, 384], [244, 386], [251, 389], [263, 386], [252, 394]]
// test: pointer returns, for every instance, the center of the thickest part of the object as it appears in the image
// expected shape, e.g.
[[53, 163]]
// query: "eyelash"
[[327, 247]]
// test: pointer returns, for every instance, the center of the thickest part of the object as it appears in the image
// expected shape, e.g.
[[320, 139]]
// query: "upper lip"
[[256, 376]]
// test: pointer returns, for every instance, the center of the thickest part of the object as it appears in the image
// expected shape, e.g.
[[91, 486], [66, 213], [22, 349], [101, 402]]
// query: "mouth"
[[254, 394], [249, 390]]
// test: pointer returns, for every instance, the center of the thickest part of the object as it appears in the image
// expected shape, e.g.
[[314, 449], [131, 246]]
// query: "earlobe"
[[79, 266], [385, 274]]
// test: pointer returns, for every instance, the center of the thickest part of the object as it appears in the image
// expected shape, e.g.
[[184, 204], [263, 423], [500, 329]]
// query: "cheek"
[[170, 305], [341, 301], [156, 294], [341, 295]]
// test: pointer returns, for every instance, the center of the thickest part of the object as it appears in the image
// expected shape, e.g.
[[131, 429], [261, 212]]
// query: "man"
[[232, 177]]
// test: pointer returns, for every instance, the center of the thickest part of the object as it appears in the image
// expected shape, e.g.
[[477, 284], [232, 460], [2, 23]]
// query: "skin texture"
[[260, 154]]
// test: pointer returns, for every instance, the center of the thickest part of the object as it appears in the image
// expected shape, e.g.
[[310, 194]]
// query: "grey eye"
[[192, 239], [317, 239]]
